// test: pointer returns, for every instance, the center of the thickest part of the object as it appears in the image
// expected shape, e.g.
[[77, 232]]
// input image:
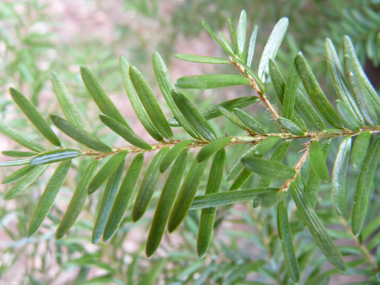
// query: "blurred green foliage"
[[30, 48]]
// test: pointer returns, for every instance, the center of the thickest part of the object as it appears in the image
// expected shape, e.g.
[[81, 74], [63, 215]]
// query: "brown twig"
[[250, 139], [254, 86], [297, 167]]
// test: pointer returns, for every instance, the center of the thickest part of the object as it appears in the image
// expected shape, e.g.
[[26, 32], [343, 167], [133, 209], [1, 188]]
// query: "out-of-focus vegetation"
[[33, 42]]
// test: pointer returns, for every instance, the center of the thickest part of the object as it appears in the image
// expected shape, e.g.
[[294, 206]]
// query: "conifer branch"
[[253, 138]]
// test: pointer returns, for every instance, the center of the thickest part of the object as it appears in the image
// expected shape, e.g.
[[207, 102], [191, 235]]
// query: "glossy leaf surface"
[[316, 228], [77, 201], [79, 135], [54, 156], [15, 153], [173, 154], [105, 205], [148, 185], [18, 174], [285, 235], [290, 126], [339, 176], [186, 194], [302, 103], [213, 111], [212, 34], [318, 162], [47, 198], [100, 97], [268, 200], [268, 168], [201, 59], [314, 182], [339, 80], [249, 122], [363, 188], [207, 219], [123, 197], [210, 81], [272, 46], [66, 102], [166, 86], [34, 116], [258, 149], [315, 92], [106, 171], [241, 32], [232, 118], [251, 46], [359, 149], [128, 134], [290, 92], [20, 138], [196, 120], [230, 197], [348, 118], [165, 203], [212, 148], [150, 103], [16, 162], [358, 83], [141, 113], [25, 182]]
